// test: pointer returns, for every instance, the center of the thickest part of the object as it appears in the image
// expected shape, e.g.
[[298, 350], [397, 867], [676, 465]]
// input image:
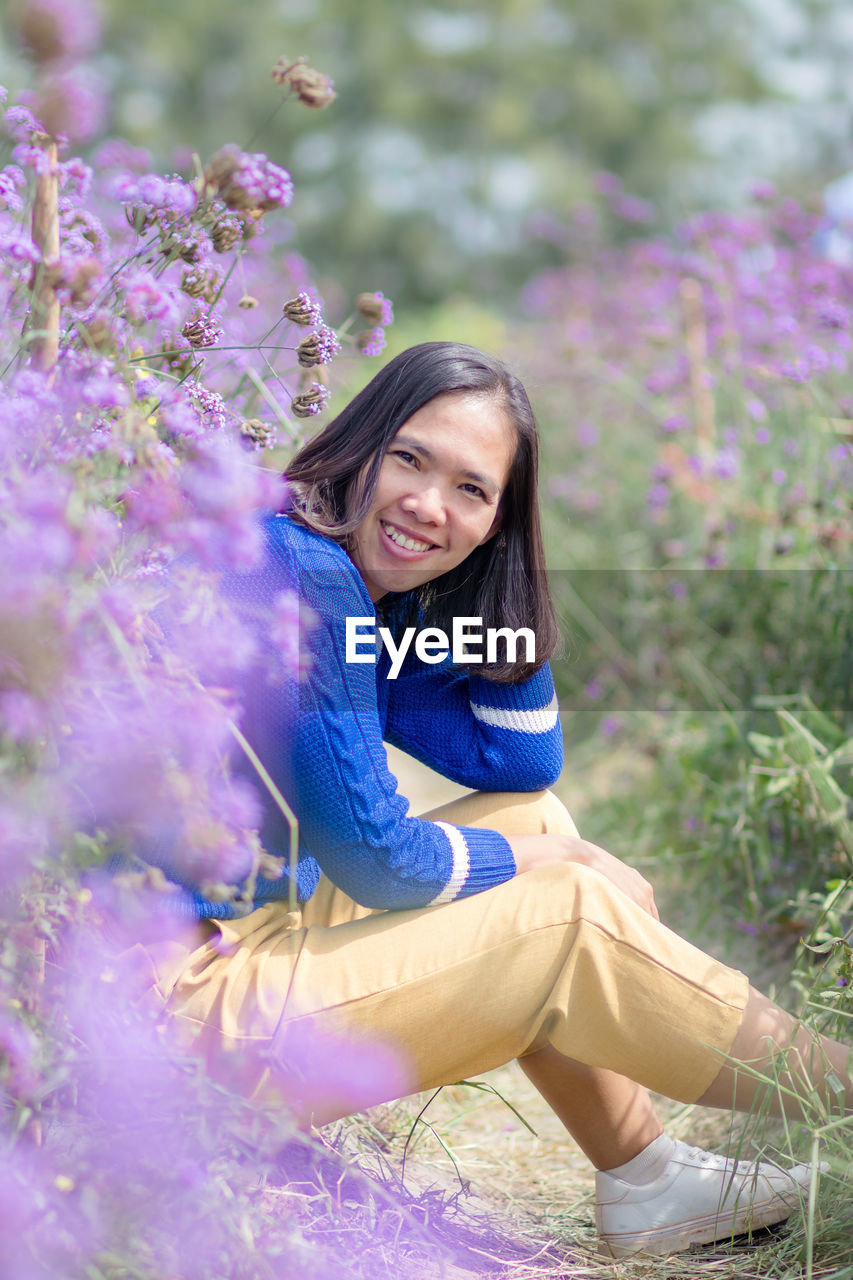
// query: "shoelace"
[[732, 1168]]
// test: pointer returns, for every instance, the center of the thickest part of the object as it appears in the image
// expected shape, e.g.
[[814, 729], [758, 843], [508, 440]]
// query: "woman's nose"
[[426, 504]]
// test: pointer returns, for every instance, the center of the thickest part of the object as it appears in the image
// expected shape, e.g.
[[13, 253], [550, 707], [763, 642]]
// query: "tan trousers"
[[336, 1007]]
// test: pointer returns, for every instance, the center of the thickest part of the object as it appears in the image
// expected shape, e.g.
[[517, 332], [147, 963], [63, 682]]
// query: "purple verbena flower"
[[70, 102], [12, 182], [54, 29], [371, 342], [202, 330], [149, 298], [248, 182]]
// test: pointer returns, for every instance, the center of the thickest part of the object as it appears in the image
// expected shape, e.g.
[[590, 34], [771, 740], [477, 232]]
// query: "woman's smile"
[[403, 540], [438, 493]]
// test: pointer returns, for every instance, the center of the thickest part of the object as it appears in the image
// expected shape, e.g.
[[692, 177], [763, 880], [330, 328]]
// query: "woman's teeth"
[[408, 544]]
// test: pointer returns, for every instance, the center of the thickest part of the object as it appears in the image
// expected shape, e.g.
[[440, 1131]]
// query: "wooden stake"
[[45, 304], [696, 334]]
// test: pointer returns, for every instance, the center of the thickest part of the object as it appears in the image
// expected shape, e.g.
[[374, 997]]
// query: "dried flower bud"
[[375, 309], [201, 331], [318, 348], [79, 278], [180, 361], [227, 233], [181, 239], [201, 283], [260, 434], [247, 302], [370, 342], [312, 88], [140, 217], [309, 403], [98, 331], [303, 310]]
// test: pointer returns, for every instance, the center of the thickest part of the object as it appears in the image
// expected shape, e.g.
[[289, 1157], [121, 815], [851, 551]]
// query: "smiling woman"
[[436, 948], [438, 493]]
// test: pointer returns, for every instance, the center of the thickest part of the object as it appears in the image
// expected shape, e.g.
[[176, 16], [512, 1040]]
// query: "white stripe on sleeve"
[[461, 865], [539, 720]]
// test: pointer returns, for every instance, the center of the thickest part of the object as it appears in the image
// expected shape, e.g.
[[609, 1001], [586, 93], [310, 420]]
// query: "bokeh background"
[[464, 133]]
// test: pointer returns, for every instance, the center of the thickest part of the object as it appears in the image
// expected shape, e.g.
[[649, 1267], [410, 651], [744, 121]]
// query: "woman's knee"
[[513, 813], [556, 819]]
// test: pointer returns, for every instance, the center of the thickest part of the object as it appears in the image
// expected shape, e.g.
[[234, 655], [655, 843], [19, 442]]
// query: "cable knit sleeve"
[[330, 759], [489, 736]]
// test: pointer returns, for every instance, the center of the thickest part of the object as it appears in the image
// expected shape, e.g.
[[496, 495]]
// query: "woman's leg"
[[557, 962], [778, 1064], [610, 1117]]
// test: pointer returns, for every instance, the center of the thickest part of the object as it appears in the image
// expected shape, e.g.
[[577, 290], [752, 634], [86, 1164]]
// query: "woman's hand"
[[541, 851]]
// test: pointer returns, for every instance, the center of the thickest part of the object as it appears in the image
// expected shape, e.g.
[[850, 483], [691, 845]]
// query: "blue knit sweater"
[[321, 740]]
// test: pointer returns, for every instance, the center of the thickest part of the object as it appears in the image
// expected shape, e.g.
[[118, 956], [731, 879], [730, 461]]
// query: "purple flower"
[[171, 195], [115, 153], [208, 406], [763, 192], [319, 347], [18, 1057], [12, 182], [202, 330], [633, 209], [371, 342], [75, 178], [587, 435], [375, 309], [610, 726], [17, 246], [309, 403], [658, 496], [304, 309], [726, 464], [778, 476], [290, 624], [248, 182], [21, 124], [147, 298], [70, 102], [58, 28], [608, 184]]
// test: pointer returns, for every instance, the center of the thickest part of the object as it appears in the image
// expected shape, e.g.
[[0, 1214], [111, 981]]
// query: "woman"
[[487, 929]]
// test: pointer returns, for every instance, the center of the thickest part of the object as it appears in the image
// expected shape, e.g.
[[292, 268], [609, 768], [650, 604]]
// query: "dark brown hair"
[[333, 480]]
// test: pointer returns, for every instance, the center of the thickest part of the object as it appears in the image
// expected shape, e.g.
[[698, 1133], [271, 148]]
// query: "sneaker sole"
[[706, 1230]]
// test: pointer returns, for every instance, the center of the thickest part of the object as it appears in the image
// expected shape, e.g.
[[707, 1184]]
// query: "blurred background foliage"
[[463, 132]]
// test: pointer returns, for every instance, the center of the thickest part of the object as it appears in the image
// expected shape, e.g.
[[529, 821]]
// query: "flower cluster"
[[723, 355], [132, 414], [68, 100], [376, 310], [248, 183]]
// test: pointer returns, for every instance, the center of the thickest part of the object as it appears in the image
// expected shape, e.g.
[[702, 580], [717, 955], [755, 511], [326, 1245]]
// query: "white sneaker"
[[697, 1199]]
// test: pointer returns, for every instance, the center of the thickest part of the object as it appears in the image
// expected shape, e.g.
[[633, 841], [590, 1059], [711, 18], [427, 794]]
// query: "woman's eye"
[[474, 490], [405, 456]]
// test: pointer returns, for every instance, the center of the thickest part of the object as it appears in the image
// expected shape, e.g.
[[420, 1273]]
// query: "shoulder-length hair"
[[333, 481]]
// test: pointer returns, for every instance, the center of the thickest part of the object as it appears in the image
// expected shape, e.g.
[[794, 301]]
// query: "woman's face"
[[440, 485]]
